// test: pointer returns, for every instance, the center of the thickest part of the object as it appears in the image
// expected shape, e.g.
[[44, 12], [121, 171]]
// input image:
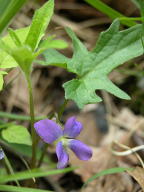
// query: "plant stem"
[[42, 155], [62, 108], [33, 133]]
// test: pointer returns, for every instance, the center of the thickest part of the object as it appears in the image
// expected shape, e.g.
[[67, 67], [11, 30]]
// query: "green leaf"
[[39, 24], [5, 125], [2, 73], [33, 174], [6, 60], [53, 43], [10, 188], [17, 134], [113, 170], [53, 57], [20, 33], [112, 13], [113, 48]]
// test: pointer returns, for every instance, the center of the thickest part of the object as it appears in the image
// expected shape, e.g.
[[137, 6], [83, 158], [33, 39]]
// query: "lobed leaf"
[[53, 57], [113, 48]]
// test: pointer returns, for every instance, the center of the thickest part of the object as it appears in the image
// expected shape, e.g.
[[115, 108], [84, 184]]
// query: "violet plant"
[[20, 48]]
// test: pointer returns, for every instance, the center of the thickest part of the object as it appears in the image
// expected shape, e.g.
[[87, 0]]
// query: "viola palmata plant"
[[20, 48]]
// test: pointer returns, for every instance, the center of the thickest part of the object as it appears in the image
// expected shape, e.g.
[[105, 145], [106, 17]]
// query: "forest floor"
[[113, 123]]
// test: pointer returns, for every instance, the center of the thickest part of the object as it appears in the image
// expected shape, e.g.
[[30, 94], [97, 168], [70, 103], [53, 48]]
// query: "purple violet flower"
[[49, 131]]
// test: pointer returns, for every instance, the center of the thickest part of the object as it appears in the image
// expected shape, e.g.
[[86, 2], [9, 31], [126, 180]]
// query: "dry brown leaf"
[[127, 119], [100, 160], [138, 175]]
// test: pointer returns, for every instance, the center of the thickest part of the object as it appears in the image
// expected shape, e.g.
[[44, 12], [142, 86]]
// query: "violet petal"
[[1, 154], [82, 151], [62, 156], [48, 130], [72, 127]]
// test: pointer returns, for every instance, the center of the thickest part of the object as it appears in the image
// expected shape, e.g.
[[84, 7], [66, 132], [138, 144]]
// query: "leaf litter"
[[122, 126]]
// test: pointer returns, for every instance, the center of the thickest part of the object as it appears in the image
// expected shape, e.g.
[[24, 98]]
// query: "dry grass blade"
[[138, 175]]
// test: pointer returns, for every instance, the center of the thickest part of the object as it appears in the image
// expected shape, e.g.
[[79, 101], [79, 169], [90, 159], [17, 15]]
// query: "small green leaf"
[[2, 73], [17, 134], [6, 60], [51, 43], [113, 48], [57, 44], [10, 188], [53, 57], [113, 170], [39, 24]]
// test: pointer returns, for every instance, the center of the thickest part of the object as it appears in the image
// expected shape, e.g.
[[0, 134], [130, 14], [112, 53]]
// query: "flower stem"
[[42, 155], [33, 133], [62, 108]]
